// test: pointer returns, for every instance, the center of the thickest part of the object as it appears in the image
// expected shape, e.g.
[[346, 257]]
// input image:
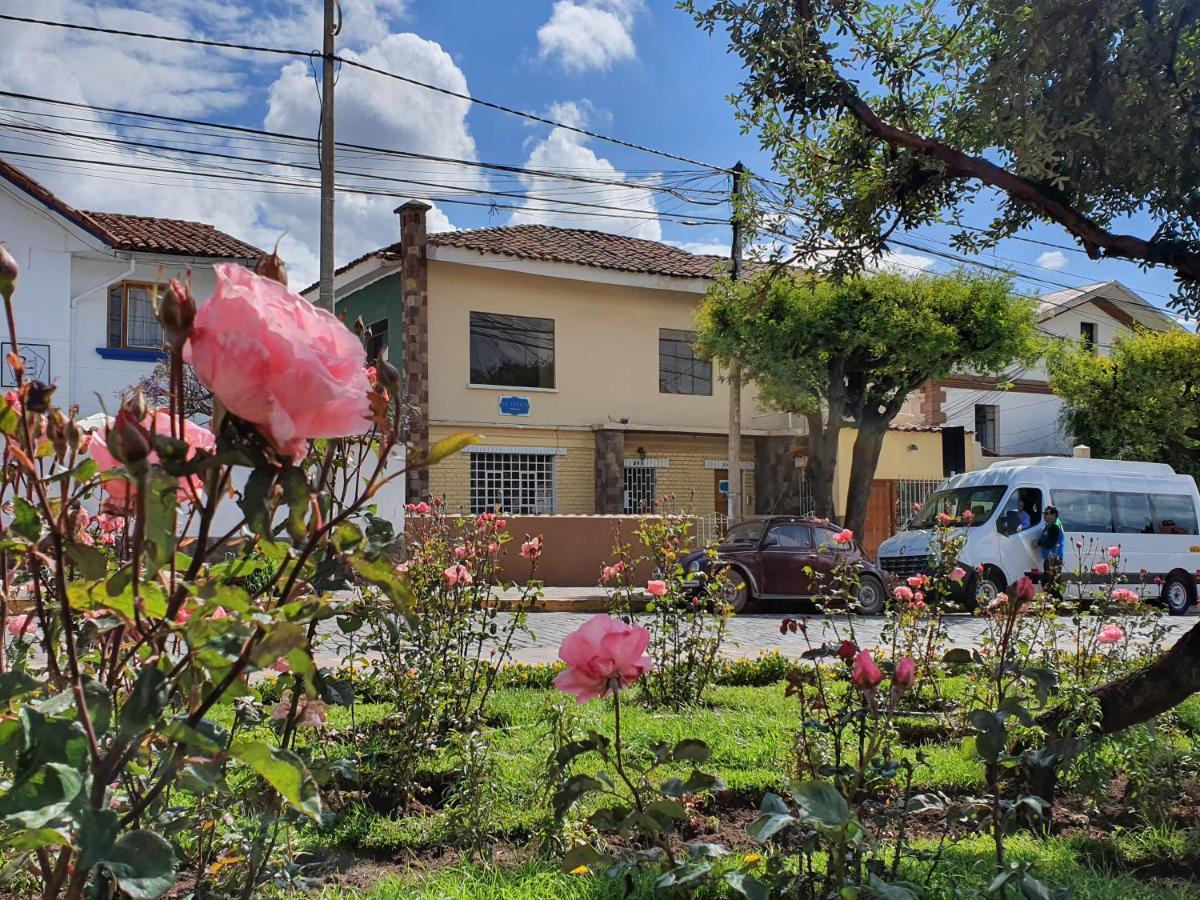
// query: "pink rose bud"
[[656, 588], [1114, 552], [272, 266], [603, 656], [903, 594], [865, 674], [127, 440], [846, 650], [1110, 634], [9, 270], [906, 673], [388, 376], [1024, 589], [177, 312]]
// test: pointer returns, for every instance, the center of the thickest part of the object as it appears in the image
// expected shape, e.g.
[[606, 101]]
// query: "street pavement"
[[747, 635]]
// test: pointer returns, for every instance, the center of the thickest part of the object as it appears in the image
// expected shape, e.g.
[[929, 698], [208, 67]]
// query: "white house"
[[85, 319], [1022, 419]]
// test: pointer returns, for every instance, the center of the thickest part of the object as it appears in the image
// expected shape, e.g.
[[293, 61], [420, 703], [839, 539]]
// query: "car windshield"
[[965, 506], [744, 533]]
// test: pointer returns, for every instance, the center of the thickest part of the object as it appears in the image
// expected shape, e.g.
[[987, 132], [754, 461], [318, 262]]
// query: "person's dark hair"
[[1050, 509]]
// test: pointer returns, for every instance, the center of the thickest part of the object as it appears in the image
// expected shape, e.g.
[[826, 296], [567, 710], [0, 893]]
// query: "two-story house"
[[571, 352], [84, 303], [1017, 414]]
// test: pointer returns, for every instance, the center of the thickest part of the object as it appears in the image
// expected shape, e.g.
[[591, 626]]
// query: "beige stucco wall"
[[606, 351], [896, 460]]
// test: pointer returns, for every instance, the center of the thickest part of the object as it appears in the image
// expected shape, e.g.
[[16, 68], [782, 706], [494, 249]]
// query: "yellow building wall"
[[686, 481], [897, 460], [605, 347]]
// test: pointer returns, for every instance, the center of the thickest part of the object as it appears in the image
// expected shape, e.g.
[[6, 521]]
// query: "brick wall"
[[686, 478]]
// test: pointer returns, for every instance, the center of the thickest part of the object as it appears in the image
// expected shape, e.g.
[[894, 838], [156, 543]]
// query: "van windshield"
[[980, 502]]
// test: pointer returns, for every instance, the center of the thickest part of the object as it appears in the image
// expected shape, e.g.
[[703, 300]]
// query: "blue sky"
[[637, 69]]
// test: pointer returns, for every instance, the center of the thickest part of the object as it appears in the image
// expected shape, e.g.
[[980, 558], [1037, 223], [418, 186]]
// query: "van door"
[[1016, 529], [1133, 532], [1086, 516]]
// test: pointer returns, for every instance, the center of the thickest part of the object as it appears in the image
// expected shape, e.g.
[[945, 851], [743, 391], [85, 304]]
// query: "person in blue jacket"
[[1052, 542]]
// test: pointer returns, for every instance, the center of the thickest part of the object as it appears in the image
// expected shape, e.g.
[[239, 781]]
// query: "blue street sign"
[[514, 406], [723, 486]]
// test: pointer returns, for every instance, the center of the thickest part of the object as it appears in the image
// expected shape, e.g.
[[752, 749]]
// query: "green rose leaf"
[[90, 562], [573, 788], [147, 700], [822, 802], [284, 771], [143, 865], [748, 886], [15, 684], [448, 447], [691, 750], [26, 522], [40, 799], [254, 500], [97, 832]]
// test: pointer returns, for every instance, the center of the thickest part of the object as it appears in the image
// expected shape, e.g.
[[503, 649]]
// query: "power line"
[[533, 117]]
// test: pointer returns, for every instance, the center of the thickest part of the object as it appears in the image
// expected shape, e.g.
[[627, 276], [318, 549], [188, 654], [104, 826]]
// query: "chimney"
[[415, 280]]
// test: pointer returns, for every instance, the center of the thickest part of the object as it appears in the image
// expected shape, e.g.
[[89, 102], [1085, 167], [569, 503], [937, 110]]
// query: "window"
[[981, 501], [985, 425], [1132, 514], [680, 371], [791, 537], [1023, 510], [131, 320], [512, 351], [377, 341], [1084, 510], [1174, 513], [518, 483], [641, 483], [1087, 335]]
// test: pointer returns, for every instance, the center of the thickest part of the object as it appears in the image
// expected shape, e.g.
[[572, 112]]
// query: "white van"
[[1145, 508]]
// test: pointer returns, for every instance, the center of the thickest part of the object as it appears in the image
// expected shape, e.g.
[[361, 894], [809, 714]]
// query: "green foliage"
[[1141, 402], [896, 115]]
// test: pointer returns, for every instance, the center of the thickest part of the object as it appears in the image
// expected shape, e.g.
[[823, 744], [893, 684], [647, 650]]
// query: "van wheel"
[[735, 591], [871, 598], [983, 589], [1177, 594]]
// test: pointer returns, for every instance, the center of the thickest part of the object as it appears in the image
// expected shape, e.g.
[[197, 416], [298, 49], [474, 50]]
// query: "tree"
[[886, 116], [849, 353], [1139, 403], [197, 399]]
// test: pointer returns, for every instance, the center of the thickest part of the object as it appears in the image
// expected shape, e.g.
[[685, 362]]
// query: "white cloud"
[[586, 35], [371, 110], [901, 263], [1053, 259], [567, 150], [703, 248]]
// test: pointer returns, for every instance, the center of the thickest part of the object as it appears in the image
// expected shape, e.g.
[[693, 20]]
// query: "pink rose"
[[917, 582], [967, 515], [906, 673], [918, 596], [656, 588], [500, 523], [461, 552], [309, 713], [603, 655], [957, 574], [277, 361], [18, 626], [1114, 552], [281, 665], [903, 594], [918, 604], [865, 674], [219, 613], [944, 518], [532, 548], [456, 575], [846, 650], [1100, 569], [1111, 634], [197, 437], [607, 574], [845, 536], [1025, 589], [1125, 595]]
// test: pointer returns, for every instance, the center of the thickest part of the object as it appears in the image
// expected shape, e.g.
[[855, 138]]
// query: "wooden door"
[[721, 500], [881, 515]]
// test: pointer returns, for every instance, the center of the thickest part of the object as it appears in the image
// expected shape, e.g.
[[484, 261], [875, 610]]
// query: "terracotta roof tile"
[[148, 234], [581, 247]]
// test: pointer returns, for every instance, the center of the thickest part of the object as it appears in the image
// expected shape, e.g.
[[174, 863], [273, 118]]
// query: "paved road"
[[748, 635]]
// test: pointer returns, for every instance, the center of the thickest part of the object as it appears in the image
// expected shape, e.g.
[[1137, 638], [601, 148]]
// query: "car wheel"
[[871, 598], [982, 590], [735, 591], [1177, 594]]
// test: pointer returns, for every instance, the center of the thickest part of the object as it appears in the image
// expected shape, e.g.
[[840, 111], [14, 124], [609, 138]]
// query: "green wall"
[[382, 299]]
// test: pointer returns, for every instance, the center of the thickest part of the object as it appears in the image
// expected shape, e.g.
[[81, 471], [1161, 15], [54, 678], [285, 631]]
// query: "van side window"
[[1084, 510], [1174, 514], [1023, 510], [1132, 514]]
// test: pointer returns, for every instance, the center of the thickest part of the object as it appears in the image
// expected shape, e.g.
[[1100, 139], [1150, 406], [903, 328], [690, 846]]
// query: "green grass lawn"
[[751, 733]]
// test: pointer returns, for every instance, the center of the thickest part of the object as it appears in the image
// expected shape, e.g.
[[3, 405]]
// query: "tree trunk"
[[864, 460], [1144, 694], [822, 460]]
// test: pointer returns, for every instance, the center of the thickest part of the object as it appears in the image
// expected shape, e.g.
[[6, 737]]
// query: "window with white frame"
[[641, 483], [131, 321], [520, 483]]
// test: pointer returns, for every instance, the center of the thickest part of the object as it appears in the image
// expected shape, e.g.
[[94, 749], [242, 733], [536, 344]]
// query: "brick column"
[[933, 399], [776, 480], [610, 471], [416, 337]]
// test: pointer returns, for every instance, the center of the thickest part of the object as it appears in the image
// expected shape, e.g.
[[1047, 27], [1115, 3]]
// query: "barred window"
[[517, 483], [680, 371], [640, 489]]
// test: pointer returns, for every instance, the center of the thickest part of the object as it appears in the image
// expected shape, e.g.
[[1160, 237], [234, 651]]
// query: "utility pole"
[[333, 24], [735, 369]]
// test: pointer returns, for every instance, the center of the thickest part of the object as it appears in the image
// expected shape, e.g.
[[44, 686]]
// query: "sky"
[[635, 69]]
